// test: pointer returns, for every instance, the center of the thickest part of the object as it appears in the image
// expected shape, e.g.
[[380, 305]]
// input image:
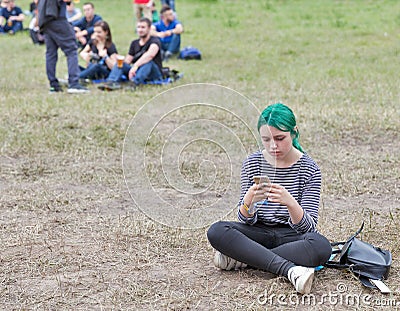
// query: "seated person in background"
[[169, 30], [170, 3], [142, 8], [73, 13], [100, 53], [154, 13], [34, 32], [32, 8], [12, 17], [144, 55], [84, 27]]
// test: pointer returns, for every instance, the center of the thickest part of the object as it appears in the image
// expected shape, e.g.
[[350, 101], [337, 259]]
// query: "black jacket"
[[48, 11]]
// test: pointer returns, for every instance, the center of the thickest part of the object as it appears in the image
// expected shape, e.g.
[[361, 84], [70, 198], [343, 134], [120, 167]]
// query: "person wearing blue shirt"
[[169, 30], [170, 3], [13, 17], [73, 13], [84, 27]]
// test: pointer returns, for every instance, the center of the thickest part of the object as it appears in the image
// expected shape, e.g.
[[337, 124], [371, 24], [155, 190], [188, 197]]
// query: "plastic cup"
[[120, 61]]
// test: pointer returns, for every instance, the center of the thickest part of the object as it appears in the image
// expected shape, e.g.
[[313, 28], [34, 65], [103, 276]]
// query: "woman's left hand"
[[103, 53], [278, 194]]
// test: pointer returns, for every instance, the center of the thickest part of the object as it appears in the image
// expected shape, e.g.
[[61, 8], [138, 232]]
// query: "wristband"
[[247, 208]]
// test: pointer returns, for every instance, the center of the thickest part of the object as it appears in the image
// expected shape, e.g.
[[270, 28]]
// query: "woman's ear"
[[295, 132]]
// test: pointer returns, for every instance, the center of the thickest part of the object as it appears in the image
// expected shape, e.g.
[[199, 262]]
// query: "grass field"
[[72, 237]]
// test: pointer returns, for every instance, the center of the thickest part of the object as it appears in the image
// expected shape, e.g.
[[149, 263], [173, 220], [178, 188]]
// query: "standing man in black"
[[58, 33]]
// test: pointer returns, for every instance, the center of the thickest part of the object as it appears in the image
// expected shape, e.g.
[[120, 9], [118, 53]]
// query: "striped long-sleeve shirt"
[[302, 180]]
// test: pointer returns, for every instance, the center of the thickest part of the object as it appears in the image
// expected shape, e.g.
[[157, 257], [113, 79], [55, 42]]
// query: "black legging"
[[274, 249]]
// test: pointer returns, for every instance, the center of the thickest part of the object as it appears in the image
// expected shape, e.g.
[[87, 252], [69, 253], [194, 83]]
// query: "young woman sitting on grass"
[[100, 53], [277, 224]]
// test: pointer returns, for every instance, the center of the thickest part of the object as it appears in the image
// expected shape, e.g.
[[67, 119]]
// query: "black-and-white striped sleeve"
[[302, 180]]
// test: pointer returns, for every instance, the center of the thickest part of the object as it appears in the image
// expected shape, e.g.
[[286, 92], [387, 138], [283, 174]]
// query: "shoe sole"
[[130, 88], [306, 288], [63, 82], [220, 261], [74, 91], [108, 88], [224, 262]]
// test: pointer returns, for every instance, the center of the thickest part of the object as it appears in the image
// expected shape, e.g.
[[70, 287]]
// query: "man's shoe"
[[84, 82], [167, 56], [110, 86], [302, 278], [226, 263], [55, 89], [77, 89], [63, 82], [130, 86]]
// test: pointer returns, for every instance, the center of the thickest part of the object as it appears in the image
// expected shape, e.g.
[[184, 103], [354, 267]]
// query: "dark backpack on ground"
[[171, 74], [189, 53], [366, 261]]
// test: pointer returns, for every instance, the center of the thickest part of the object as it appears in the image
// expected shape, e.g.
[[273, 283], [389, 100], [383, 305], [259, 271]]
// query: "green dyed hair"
[[281, 117]]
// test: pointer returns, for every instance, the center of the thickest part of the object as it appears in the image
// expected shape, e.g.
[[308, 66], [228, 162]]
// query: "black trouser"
[[60, 34], [274, 249]]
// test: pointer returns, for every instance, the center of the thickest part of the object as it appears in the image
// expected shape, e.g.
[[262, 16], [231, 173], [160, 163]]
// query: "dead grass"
[[73, 239]]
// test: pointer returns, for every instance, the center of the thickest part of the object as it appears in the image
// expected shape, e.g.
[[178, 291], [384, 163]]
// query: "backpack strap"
[[342, 251], [332, 263], [336, 265], [357, 232]]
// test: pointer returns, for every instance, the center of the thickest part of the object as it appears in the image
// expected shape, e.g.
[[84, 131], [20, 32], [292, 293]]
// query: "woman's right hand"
[[102, 52], [256, 193]]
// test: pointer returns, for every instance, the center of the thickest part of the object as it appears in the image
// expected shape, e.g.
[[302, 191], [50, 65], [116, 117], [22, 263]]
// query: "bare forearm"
[[85, 55], [295, 211], [110, 61], [146, 57], [20, 18], [177, 30]]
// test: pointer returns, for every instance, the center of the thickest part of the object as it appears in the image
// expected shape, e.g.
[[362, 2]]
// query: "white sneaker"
[[78, 89], [227, 263], [302, 278]]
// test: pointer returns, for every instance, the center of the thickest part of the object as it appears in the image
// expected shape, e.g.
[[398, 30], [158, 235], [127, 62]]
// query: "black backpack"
[[366, 261]]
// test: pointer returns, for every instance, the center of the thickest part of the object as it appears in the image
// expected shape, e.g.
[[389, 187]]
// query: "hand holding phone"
[[262, 179]]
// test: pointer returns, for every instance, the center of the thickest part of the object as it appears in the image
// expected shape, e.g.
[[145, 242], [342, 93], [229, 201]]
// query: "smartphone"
[[261, 179]]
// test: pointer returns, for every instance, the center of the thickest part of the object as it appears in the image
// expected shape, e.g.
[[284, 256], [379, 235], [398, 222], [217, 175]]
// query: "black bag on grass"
[[366, 261], [170, 73]]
